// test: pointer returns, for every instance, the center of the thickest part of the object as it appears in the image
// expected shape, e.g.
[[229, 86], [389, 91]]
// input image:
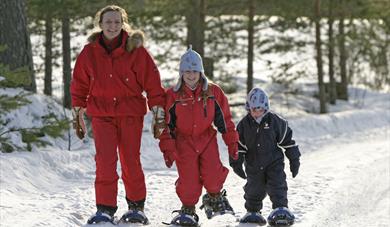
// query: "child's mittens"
[[239, 171], [233, 150], [294, 166], [237, 165], [293, 155], [168, 148], [169, 158]]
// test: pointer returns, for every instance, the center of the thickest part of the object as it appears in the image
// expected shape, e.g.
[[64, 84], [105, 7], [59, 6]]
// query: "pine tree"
[[15, 41]]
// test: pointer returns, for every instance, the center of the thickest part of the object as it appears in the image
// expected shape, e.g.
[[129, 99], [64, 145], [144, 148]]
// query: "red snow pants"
[[198, 168], [115, 135]]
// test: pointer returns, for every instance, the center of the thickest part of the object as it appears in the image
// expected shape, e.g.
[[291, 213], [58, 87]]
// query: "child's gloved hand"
[[233, 151], [168, 148], [239, 171], [169, 158], [294, 167], [237, 165]]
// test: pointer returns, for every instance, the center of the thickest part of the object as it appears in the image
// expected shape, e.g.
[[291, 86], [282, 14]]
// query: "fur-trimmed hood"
[[136, 38]]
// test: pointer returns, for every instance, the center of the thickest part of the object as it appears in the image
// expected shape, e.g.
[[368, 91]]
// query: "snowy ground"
[[344, 178]]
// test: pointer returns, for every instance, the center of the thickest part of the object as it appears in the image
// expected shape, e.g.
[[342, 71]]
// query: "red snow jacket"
[[111, 84], [191, 114]]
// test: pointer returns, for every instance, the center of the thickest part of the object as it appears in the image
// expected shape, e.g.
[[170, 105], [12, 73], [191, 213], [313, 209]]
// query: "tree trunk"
[[66, 68], [343, 61], [16, 39], [47, 90], [251, 12], [332, 82], [321, 86], [195, 19]]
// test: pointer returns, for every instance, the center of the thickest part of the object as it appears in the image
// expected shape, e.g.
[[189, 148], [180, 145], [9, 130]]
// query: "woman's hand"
[[78, 121]]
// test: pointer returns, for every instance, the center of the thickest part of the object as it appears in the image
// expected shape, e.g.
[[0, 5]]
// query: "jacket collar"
[[188, 92], [100, 46], [111, 45], [263, 118], [135, 39]]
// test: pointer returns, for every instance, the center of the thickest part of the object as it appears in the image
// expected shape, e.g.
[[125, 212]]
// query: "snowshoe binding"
[[186, 217], [216, 204], [253, 218], [281, 216], [100, 217], [135, 214]]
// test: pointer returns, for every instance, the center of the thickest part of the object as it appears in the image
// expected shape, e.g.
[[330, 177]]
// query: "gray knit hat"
[[191, 61]]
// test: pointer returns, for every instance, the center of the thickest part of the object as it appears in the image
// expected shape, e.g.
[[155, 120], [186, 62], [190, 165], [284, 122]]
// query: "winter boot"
[[135, 214], [186, 217], [281, 216], [216, 204], [253, 217], [103, 214]]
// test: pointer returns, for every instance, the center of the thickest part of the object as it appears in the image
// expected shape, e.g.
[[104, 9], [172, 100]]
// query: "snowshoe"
[[281, 216], [134, 216], [100, 217], [214, 205], [253, 217], [185, 217]]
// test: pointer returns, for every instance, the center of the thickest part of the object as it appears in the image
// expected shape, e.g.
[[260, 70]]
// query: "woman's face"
[[191, 78], [111, 24]]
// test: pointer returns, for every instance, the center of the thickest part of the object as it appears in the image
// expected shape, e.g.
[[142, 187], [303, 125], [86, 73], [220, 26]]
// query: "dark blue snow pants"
[[271, 181]]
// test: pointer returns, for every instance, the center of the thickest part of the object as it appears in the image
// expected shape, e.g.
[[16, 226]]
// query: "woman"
[[194, 105], [110, 75]]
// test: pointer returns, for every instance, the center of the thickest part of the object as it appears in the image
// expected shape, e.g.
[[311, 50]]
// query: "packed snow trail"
[[343, 181]]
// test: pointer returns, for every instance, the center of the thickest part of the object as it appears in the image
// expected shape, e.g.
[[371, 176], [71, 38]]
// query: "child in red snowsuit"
[[192, 107]]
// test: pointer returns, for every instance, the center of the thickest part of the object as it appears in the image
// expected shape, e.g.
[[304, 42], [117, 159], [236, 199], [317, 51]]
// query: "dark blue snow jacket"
[[264, 143]]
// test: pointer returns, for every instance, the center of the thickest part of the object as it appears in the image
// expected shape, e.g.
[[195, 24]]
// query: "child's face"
[[191, 78], [257, 112]]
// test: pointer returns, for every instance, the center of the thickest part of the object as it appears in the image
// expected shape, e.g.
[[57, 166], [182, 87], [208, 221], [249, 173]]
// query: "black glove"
[[237, 165], [239, 171], [294, 166]]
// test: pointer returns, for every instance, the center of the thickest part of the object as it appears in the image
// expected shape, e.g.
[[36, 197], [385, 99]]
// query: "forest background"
[[334, 43]]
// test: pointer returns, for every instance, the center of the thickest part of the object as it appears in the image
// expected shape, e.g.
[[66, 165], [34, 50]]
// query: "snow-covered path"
[[344, 178], [343, 181]]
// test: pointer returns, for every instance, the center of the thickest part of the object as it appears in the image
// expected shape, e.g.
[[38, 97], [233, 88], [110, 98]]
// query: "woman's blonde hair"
[[99, 17]]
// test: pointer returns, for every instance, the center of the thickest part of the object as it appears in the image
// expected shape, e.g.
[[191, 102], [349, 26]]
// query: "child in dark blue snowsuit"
[[263, 136]]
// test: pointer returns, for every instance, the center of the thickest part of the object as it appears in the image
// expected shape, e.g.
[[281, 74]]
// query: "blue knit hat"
[[191, 61], [257, 98]]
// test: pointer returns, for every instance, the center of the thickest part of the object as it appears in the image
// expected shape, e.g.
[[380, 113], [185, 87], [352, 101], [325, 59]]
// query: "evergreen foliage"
[[276, 25], [49, 125], [52, 126], [16, 78], [9, 103]]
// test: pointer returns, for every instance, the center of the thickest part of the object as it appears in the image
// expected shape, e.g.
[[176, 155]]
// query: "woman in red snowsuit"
[[110, 75], [192, 107]]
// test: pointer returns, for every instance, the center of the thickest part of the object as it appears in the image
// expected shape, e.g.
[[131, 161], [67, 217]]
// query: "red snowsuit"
[[190, 118], [110, 86]]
